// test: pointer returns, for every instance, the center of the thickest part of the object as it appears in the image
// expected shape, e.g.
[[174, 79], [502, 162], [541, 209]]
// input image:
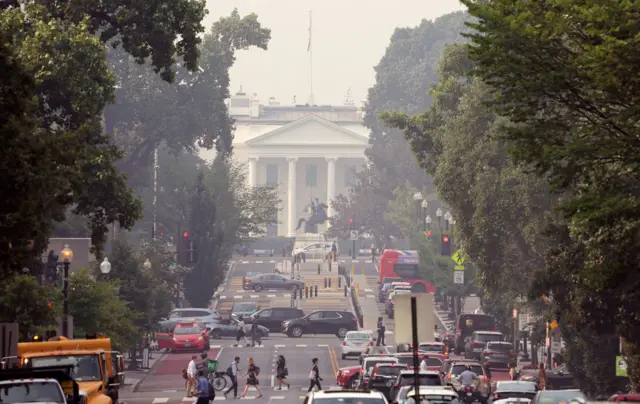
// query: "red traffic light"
[[185, 234], [49, 305], [445, 239], [429, 233], [350, 221]]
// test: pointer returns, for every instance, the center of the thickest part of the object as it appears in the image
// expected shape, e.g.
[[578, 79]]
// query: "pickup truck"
[[48, 385]]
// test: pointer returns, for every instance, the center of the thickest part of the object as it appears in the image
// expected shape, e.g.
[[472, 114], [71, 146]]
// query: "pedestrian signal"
[[445, 245]]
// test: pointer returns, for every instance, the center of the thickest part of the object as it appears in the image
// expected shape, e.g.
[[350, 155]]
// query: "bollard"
[[300, 293], [339, 282], [329, 265], [329, 282], [345, 290], [325, 283], [318, 269], [306, 292], [316, 290]]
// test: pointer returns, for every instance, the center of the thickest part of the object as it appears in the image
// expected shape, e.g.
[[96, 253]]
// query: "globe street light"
[[439, 216], [417, 196], [105, 266], [147, 264], [67, 257]]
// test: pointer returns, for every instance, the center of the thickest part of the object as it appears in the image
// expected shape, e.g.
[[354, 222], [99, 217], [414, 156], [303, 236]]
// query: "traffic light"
[[193, 252], [189, 252], [52, 267], [445, 245], [429, 233], [350, 224]]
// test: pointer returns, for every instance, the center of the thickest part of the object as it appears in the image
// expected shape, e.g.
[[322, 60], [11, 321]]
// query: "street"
[[164, 383]]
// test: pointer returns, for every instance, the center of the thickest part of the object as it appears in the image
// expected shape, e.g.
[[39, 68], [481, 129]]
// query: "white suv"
[[356, 343], [346, 397]]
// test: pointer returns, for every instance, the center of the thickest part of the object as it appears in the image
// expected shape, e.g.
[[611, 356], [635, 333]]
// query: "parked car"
[[356, 343], [318, 250], [478, 341], [207, 316], [497, 353], [244, 309], [510, 391], [229, 328], [271, 281], [322, 322], [273, 317]]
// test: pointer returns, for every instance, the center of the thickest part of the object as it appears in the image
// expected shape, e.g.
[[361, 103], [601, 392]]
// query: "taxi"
[[188, 337]]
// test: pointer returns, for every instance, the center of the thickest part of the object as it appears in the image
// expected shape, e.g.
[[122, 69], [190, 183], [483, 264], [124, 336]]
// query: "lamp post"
[[439, 217], [425, 205], [67, 257], [447, 219], [515, 330], [147, 264], [105, 267], [427, 222], [417, 199]]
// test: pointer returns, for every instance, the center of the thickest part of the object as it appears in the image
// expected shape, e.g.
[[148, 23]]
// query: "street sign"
[[553, 325], [353, 235], [458, 277], [458, 257], [459, 267]]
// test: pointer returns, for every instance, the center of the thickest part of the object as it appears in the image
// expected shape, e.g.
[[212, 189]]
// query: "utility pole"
[[155, 194]]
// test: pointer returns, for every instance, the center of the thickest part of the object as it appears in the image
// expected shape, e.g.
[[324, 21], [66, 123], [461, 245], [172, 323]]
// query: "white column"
[[291, 193], [253, 171], [331, 185]]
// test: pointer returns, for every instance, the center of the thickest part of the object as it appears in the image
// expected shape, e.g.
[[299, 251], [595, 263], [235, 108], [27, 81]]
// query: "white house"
[[308, 152]]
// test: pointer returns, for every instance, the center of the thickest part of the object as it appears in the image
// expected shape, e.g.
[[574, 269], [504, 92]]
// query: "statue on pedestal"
[[317, 215]]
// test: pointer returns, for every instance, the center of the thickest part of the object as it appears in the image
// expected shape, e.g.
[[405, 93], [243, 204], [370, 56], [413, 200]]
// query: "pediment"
[[310, 130]]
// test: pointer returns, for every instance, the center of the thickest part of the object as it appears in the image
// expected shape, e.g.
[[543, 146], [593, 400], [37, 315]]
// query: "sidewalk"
[[135, 377]]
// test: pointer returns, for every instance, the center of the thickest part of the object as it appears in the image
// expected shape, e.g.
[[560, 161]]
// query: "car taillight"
[[487, 352], [449, 377], [248, 281], [344, 343], [370, 343], [218, 318], [355, 320], [476, 345], [469, 388], [486, 378], [496, 396]]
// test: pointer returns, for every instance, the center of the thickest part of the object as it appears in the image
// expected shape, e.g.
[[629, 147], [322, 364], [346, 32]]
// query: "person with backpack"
[[282, 372], [252, 380], [232, 372], [203, 389], [314, 375], [240, 333]]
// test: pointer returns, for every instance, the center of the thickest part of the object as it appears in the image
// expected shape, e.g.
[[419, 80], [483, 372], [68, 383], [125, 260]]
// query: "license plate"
[[477, 350], [469, 394], [187, 345]]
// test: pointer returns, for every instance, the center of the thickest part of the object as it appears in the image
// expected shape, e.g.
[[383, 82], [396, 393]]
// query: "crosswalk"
[[269, 393]]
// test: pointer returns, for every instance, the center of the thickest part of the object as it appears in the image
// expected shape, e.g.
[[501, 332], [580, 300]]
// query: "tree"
[[403, 78], [189, 112], [32, 306], [565, 79], [97, 307], [74, 167]]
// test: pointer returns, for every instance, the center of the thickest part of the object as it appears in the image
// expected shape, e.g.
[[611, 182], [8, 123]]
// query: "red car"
[[349, 377], [434, 361], [188, 337]]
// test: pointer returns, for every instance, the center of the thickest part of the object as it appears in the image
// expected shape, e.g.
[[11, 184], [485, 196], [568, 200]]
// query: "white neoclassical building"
[[308, 152]]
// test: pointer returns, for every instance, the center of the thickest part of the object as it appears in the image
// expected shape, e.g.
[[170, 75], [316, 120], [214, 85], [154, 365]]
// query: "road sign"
[[458, 257], [459, 267], [553, 325], [458, 277], [353, 235]]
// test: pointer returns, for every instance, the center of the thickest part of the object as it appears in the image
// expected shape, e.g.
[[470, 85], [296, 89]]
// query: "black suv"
[[322, 322], [272, 318], [384, 376], [478, 341]]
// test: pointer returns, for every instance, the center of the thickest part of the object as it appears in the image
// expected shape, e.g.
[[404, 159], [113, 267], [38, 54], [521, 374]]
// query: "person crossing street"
[[232, 372], [314, 375]]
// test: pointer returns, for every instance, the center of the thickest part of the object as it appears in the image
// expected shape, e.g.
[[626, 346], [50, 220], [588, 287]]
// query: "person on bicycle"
[[207, 365]]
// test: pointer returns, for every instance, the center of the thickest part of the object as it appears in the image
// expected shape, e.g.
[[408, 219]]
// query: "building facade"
[[307, 152]]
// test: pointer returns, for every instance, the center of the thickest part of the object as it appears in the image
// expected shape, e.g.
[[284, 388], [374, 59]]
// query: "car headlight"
[[200, 338]]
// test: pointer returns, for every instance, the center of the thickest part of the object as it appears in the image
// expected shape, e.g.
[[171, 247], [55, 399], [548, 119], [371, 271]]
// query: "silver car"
[[356, 343], [207, 316]]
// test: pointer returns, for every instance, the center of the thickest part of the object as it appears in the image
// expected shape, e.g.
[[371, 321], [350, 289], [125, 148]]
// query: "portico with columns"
[[305, 159]]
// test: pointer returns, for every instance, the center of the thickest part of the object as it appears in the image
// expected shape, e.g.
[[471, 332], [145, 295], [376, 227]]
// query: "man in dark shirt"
[[314, 375], [255, 332]]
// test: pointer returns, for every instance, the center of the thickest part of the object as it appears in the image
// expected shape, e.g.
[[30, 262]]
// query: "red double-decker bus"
[[406, 266]]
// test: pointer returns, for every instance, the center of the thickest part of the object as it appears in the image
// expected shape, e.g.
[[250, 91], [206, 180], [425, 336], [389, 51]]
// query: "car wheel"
[[257, 288], [342, 332], [296, 331], [216, 334]]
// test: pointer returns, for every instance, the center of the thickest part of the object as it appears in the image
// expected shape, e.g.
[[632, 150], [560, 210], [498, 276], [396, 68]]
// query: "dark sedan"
[[229, 328], [271, 281], [322, 322]]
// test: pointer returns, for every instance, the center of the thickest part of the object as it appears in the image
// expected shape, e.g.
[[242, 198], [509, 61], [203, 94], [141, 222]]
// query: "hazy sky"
[[349, 38]]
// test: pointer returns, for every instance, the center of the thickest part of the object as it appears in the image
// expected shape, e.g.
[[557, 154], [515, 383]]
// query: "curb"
[[135, 385], [214, 304]]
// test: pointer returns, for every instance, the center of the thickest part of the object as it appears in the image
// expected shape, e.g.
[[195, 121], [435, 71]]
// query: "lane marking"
[[222, 297], [255, 296], [160, 400], [216, 346], [272, 380], [279, 346], [371, 296], [323, 345], [277, 397], [259, 262], [237, 297], [369, 290], [271, 295], [302, 346]]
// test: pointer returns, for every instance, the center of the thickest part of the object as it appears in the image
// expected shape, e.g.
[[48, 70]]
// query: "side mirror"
[[208, 329]]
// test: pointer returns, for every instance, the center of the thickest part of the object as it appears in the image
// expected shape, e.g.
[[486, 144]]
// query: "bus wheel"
[[418, 288]]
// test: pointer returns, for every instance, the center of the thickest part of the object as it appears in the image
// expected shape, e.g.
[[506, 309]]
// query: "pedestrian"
[[202, 389], [232, 372], [192, 373], [281, 372], [255, 331], [373, 253], [253, 372], [314, 375], [381, 330], [240, 333], [334, 251], [424, 366]]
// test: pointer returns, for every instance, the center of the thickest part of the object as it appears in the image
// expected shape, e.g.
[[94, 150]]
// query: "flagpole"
[[310, 50]]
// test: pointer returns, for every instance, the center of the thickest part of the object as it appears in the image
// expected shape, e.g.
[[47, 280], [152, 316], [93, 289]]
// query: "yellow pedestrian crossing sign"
[[458, 257], [459, 268]]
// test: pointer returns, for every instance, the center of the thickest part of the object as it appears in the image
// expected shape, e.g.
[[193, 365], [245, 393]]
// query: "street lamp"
[[439, 216], [105, 266], [424, 214], [417, 196], [67, 257], [147, 264], [417, 199], [428, 221], [515, 329]]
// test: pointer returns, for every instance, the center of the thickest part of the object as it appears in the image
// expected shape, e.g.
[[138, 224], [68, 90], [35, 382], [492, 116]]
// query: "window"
[[272, 228], [272, 175], [265, 313], [350, 177], [311, 175]]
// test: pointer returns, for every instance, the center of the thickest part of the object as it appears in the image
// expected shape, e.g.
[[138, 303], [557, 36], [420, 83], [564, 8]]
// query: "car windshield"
[[408, 361], [85, 367], [489, 337], [556, 397], [515, 386], [35, 392], [458, 369], [502, 347], [389, 370], [357, 335], [243, 306], [371, 364], [187, 331], [349, 400], [431, 348], [425, 380]]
